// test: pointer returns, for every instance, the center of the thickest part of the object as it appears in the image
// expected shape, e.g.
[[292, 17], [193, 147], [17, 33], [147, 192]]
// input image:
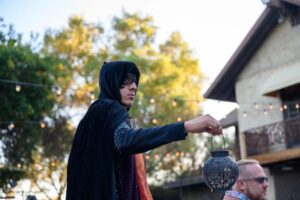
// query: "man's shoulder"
[[229, 198], [234, 195]]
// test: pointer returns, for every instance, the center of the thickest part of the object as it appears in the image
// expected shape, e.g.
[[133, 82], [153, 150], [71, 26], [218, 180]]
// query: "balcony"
[[274, 137]]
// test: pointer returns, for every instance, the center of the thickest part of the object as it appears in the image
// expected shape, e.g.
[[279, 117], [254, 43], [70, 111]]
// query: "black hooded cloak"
[[91, 171]]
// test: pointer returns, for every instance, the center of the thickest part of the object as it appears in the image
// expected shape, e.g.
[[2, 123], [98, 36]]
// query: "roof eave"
[[223, 87]]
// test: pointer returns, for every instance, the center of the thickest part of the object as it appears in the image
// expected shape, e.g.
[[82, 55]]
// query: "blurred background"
[[50, 56]]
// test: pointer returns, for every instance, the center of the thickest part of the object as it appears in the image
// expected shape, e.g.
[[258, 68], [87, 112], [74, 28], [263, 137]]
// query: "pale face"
[[128, 92], [254, 189]]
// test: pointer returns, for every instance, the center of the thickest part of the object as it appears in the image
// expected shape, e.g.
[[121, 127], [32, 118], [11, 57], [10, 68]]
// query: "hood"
[[112, 75]]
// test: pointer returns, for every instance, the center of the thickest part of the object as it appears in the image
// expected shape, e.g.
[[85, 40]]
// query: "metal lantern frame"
[[220, 170]]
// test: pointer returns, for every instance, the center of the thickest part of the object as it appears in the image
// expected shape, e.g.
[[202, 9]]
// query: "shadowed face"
[[116, 82], [128, 90]]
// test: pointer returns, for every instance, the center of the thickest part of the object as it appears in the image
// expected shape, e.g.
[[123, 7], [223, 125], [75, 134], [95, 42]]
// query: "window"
[[291, 101]]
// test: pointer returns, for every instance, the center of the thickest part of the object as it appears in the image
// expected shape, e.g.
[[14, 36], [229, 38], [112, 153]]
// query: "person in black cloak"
[[104, 163]]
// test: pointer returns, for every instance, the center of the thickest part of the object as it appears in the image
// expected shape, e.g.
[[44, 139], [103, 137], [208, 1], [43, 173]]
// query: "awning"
[[231, 119], [283, 77]]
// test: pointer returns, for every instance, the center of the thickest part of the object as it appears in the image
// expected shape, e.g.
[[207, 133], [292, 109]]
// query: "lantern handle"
[[211, 142]]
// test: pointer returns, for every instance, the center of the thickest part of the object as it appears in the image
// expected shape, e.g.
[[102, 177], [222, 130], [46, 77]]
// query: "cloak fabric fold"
[[141, 177], [91, 173]]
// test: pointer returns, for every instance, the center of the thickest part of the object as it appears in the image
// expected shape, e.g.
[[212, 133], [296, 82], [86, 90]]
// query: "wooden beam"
[[277, 156]]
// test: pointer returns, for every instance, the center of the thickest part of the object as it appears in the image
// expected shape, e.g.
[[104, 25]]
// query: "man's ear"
[[240, 185]]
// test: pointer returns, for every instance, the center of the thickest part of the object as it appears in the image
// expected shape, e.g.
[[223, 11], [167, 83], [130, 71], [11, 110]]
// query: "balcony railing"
[[273, 137]]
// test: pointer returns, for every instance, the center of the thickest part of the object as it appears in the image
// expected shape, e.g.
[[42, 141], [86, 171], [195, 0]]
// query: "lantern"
[[220, 170]]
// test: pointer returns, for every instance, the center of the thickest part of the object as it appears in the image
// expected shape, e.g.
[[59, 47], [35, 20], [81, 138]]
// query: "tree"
[[170, 84], [73, 61], [26, 98], [169, 88], [48, 173], [74, 48], [74, 64]]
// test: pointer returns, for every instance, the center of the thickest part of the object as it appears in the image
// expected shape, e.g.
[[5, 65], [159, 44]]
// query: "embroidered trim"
[[236, 194], [118, 135]]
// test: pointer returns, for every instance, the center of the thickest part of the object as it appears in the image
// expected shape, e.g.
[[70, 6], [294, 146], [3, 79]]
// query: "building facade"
[[263, 78]]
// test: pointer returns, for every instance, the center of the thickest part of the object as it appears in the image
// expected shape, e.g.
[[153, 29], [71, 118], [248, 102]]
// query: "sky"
[[213, 29]]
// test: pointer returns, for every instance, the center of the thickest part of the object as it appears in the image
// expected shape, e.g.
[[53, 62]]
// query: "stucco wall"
[[280, 48]]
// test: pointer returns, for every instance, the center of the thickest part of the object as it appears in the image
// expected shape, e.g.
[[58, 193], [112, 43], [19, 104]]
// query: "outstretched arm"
[[128, 140]]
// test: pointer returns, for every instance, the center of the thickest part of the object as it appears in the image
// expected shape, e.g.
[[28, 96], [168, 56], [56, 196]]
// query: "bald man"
[[251, 184]]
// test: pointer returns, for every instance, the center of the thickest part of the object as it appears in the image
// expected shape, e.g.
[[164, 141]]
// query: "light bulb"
[[42, 125], [18, 88], [152, 100]]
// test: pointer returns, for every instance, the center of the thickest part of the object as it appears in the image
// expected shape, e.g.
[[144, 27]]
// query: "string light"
[[42, 124], [152, 100], [173, 102], [11, 126], [18, 87], [21, 83], [92, 96], [154, 121], [53, 164], [270, 106]]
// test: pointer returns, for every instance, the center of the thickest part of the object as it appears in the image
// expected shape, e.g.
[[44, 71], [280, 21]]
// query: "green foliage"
[[56, 140], [170, 73], [132, 32], [74, 47], [169, 88], [70, 59], [9, 177], [48, 174], [26, 108], [73, 50]]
